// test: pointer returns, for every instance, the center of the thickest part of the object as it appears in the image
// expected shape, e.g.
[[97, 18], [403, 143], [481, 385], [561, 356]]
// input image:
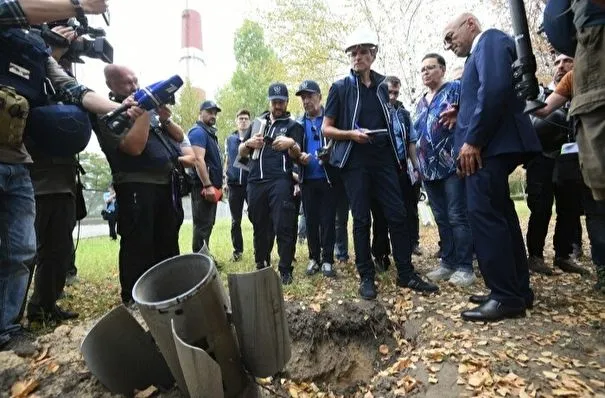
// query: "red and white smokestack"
[[192, 62]]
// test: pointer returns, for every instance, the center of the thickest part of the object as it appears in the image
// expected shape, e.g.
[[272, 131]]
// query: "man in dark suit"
[[493, 137]]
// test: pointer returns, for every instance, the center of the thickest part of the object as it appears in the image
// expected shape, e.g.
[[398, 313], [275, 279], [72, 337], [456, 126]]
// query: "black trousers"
[[55, 221], [111, 221], [380, 236], [271, 204], [379, 182], [541, 194], [203, 213], [496, 231], [237, 197], [148, 224], [319, 203]]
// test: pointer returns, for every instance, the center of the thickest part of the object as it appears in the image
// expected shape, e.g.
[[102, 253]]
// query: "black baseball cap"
[[278, 91], [308, 86], [209, 104]]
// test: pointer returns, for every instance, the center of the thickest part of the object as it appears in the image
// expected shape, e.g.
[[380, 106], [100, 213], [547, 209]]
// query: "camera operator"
[[54, 181], [17, 233], [593, 209], [369, 164], [141, 160], [270, 185], [543, 189]]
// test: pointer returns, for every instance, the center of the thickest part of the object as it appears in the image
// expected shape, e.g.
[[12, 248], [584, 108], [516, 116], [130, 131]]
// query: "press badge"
[[571, 147]]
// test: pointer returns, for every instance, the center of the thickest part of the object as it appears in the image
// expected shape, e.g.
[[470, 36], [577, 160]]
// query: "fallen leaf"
[[434, 369], [293, 392], [368, 395], [22, 389], [549, 375], [146, 393], [433, 380], [53, 367], [503, 391], [476, 379], [315, 307], [561, 392], [597, 383], [383, 349], [43, 354]]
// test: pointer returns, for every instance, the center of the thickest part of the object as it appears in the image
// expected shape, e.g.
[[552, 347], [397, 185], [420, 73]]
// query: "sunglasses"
[[447, 40]]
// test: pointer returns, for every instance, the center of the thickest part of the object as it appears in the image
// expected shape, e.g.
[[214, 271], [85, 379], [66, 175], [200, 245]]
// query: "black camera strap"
[[173, 154]]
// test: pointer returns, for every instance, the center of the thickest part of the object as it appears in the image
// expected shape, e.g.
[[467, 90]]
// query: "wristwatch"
[[79, 10]]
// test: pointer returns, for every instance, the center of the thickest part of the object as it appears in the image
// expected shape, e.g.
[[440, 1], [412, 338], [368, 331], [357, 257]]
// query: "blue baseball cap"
[[308, 86], [209, 104], [278, 91]]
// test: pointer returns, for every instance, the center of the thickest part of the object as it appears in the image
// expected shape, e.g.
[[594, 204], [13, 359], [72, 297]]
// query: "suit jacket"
[[490, 114]]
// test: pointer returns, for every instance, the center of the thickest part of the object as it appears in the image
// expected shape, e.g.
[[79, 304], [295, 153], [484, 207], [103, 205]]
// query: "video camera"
[[147, 98], [90, 42]]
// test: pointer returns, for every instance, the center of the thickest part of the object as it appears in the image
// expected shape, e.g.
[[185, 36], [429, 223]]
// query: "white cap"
[[361, 36]]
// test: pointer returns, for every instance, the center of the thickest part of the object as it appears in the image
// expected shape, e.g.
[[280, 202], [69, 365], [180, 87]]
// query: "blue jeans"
[[17, 242], [448, 202]]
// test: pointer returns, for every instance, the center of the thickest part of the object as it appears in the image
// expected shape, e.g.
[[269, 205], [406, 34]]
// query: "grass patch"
[[99, 287]]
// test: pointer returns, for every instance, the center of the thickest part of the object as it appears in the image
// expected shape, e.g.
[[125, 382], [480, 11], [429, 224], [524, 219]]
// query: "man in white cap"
[[357, 119]]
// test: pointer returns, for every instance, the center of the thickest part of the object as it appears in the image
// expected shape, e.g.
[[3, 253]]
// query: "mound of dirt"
[[337, 345]]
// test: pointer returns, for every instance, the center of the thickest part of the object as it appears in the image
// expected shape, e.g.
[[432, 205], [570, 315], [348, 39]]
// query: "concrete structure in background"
[[192, 63]]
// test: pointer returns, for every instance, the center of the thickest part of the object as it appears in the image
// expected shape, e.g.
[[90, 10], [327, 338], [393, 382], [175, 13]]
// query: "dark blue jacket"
[[273, 164], [235, 175], [490, 115], [348, 91]]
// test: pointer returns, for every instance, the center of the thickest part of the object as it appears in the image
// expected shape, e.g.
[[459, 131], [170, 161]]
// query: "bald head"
[[459, 34], [121, 80]]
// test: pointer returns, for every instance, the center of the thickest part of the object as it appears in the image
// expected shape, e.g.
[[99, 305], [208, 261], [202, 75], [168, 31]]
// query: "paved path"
[[97, 227]]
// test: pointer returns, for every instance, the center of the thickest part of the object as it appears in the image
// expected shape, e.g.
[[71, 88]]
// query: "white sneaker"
[[463, 278], [440, 274]]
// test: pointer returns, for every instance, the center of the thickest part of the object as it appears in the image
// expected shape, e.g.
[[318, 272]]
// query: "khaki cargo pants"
[[588, 105]]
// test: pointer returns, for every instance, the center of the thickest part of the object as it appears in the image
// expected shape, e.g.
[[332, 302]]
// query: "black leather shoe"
[[492, 311], [415, 282], [479, 298], [63, 315], [483, 298]]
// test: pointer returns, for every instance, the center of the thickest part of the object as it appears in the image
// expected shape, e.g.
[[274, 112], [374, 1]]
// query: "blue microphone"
[[147, 98]]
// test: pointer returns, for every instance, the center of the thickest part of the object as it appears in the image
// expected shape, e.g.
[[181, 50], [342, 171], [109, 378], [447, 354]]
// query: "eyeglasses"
[[428, 68], [447, 40], [315, 133], [394, 92]]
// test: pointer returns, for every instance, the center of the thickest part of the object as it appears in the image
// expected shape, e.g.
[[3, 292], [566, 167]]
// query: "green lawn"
[[97, 262]]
